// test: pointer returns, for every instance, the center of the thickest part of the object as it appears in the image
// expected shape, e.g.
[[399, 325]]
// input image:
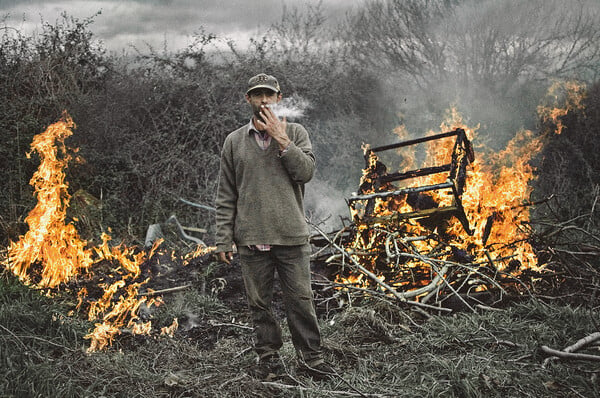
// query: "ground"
[[379, 347]]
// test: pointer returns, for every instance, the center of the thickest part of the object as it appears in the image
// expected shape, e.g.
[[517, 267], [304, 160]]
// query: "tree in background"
[[150, 127], [39, 77], [493, 59], [570, 167]]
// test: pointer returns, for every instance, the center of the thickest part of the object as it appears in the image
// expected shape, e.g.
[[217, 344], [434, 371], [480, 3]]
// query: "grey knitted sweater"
[[260, 194]]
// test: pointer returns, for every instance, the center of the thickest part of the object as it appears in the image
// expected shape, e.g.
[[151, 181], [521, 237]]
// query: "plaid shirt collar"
[[262, 138], [252, 128]]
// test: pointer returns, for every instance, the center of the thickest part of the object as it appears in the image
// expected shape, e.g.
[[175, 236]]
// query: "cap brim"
[[275, 89]]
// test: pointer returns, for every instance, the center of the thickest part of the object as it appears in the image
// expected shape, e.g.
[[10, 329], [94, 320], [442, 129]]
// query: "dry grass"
[[375, 346]]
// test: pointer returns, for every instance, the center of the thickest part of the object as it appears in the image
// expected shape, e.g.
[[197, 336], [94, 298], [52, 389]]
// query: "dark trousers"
[[292, 264]]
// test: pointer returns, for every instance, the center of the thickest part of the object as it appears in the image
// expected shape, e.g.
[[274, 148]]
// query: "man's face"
[[261, 96]]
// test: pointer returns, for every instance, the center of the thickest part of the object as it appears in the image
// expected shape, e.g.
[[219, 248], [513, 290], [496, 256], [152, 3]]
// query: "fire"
[[54, 244], [49, 240], [495, 200], [570, 93]]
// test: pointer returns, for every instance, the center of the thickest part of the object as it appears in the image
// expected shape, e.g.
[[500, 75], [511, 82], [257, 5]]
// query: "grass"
[[376, 347]]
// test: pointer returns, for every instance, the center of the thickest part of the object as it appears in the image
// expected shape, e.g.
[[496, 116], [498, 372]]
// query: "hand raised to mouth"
[[273, 126]]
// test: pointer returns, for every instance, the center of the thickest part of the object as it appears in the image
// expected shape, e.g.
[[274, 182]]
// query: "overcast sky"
[[125, 22]]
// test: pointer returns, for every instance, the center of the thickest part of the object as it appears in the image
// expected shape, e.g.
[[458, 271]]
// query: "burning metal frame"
[[462, 155], [403, 241]]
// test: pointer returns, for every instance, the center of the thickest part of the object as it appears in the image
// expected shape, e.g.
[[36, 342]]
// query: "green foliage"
[[150, 129], [39, 77]]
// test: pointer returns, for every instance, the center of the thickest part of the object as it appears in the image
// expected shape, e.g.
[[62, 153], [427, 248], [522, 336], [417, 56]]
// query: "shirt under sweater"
[[260, 193]]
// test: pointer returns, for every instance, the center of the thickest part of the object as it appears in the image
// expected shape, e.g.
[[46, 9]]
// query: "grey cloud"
[[133, 21]]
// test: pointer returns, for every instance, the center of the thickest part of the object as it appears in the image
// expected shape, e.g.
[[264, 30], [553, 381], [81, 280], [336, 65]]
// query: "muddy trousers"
[[292, 264]]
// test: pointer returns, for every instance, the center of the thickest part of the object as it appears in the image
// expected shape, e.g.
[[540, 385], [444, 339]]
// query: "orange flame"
[[570, 93], [62, 254], [49, 240], [497, 192]]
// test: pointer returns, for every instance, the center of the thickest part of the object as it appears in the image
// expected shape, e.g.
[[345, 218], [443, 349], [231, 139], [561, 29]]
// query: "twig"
[[576, 253], [458, 295], [48, 342], [509, 343], [488, 308], [376, 293], [233, 325], [583, 342], [537, 202], [402, 297], [245, 350], [338, 233], [320, 390], [169, 290], [568, 355], [23, 344], [205, 207], [561, 228]]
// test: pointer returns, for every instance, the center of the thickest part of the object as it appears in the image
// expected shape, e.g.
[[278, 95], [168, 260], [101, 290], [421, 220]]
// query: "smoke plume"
[[291, 107]]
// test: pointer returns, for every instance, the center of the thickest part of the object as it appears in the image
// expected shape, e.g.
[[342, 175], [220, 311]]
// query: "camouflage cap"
[[263, 80]]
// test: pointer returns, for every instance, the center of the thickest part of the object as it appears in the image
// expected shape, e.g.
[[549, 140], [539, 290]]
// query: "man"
[[260, 210]]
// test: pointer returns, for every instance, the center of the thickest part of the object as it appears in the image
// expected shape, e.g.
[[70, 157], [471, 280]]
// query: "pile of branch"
[[571, 248], [437, 283]]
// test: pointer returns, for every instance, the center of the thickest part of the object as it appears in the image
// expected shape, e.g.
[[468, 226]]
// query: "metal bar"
[[415, 173], [460, 214], [415, 141], [414, 214], [404, 191]]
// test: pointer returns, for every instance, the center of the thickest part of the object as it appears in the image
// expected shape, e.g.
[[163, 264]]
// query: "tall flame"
[[495, 201], [49, 240], [55, 245]]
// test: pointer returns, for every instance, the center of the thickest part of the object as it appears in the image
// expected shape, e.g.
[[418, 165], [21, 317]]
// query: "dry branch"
[[567, 355], [169, 290], [583, 342], [400, 296], [569, 352]]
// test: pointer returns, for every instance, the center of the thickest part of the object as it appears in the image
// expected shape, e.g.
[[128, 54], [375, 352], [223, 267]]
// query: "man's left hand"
[[274, 127]]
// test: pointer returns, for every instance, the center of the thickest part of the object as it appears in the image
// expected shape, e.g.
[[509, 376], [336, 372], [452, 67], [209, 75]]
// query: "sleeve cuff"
[[224, 247], [284, 151]]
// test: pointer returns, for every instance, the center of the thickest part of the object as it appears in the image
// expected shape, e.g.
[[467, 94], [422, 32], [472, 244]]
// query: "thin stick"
[[569, 355], [332, 240], [233, 325], [169, 290], [23, 344], [332, 392], [374, 292], [401, 297]]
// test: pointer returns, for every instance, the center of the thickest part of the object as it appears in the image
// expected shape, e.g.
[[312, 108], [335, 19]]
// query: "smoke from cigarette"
[[290, 107]]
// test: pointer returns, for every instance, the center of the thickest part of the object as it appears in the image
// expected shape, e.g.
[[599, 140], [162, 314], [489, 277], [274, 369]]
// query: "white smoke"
[[325, 205], [290, 107]]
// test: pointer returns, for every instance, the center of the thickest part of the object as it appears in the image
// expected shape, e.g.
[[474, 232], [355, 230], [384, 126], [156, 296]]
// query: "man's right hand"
[[226, 257]]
